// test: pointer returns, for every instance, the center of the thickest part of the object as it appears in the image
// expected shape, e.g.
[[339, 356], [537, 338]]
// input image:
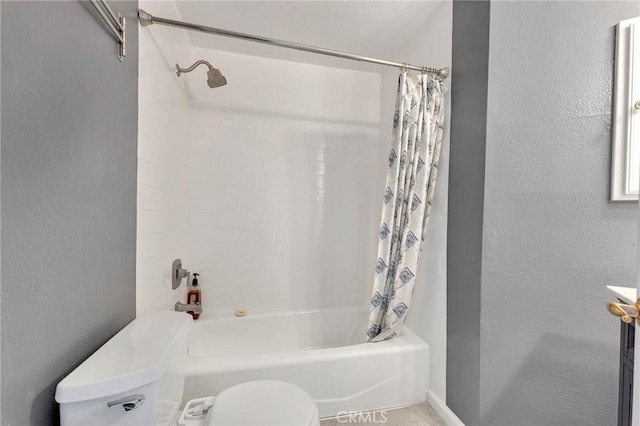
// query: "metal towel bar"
[[116, 23]]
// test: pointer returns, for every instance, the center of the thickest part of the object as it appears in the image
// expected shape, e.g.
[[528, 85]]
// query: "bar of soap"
[[241, 313]]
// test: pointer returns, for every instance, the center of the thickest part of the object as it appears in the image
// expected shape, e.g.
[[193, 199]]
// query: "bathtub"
[[322, 351]]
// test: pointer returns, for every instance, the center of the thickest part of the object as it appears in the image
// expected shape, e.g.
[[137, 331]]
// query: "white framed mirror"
[[625, 164]]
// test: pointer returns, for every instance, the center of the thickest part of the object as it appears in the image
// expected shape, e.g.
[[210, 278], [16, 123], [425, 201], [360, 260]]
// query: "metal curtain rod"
[[116, 23], [148, 19]]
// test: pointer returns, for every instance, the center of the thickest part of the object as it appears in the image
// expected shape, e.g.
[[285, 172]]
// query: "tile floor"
[[413, 415]]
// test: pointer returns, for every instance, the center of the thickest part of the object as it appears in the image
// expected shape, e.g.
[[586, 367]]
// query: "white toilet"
[[137, 378]]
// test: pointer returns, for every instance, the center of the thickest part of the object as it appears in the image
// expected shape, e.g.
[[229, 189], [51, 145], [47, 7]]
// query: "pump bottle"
[[193, 296]]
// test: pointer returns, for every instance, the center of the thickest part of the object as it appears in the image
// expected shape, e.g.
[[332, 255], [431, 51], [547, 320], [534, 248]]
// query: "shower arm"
[[192, 67], [148, 19]]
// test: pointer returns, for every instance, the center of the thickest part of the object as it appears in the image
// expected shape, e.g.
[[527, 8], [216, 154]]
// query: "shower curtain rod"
[[148, 19]]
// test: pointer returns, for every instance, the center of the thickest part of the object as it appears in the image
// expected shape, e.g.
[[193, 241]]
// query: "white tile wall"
[[286, 182], [164, 141]]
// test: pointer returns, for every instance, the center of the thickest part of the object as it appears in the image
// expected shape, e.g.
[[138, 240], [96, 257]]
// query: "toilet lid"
[[264, 403]]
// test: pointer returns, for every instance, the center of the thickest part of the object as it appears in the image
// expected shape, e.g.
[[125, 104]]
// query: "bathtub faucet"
[[188, 307]]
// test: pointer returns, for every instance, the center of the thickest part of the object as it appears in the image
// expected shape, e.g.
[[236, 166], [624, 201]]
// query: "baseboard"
[[443, 411]]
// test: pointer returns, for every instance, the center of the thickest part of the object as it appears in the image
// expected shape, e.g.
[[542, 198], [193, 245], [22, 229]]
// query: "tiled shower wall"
[[163, 159], [287, 169], [269, 187]]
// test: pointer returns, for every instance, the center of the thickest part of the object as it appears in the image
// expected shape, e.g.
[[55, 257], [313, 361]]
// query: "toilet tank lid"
[[130, 359]]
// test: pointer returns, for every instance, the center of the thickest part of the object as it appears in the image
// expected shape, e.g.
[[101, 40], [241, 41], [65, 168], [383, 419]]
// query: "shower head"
[[214, 76]]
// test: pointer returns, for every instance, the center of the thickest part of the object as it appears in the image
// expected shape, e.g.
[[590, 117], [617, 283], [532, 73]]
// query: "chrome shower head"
[[214, 76]]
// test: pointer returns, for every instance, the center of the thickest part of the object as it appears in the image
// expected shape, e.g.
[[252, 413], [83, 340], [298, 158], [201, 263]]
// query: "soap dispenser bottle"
[[193, 296]]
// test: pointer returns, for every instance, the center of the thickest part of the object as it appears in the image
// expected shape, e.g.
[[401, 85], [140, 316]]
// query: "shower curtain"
[[411, 178]]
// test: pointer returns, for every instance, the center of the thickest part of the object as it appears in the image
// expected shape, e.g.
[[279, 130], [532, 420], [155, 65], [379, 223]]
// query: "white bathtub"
[[321, 351]]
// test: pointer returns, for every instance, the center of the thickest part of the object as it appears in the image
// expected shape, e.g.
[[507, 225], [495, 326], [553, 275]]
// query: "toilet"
[[137, 378]]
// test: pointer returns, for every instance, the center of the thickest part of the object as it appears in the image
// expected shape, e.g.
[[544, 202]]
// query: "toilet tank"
[[136, 378]]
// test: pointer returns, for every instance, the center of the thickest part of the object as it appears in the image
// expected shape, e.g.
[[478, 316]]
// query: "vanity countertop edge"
[[626, 294]]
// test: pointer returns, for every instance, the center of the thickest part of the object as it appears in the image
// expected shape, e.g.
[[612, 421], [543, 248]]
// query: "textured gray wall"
[[68, 196], [466, 189], [552, 241]]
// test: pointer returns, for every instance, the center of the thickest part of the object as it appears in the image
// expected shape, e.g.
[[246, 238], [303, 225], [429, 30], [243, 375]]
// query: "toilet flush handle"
[[129, 403]]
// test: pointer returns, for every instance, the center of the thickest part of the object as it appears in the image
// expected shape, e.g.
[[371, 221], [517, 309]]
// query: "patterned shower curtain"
[[411, 178]]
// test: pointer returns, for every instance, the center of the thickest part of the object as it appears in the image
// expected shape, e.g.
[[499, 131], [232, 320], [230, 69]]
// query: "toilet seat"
[[260, 403]]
